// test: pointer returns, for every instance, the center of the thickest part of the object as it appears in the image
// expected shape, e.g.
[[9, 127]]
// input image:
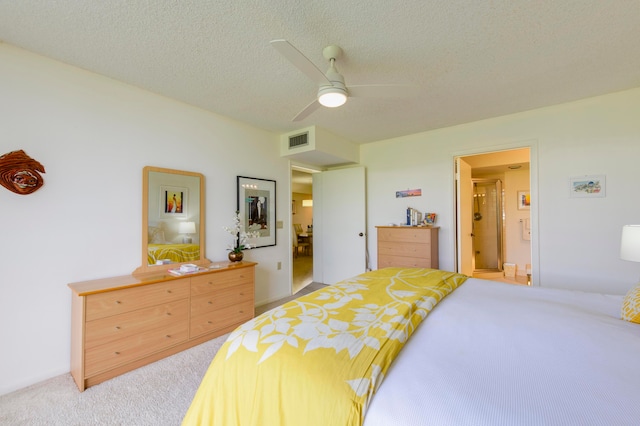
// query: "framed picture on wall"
[[524, 200], [173, 201], [257, 207], [587, 186]]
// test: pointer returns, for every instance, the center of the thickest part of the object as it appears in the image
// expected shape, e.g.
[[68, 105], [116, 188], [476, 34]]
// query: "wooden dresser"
[[122, 323], [407, 246]]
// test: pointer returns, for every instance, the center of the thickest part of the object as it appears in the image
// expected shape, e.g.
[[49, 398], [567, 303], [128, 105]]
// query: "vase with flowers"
[[240, 239]]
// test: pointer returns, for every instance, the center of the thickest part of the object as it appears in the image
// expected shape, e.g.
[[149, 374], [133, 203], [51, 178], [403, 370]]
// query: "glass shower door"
[[487, 224]]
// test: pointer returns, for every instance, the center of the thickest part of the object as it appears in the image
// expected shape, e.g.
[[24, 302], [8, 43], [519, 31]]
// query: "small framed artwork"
[[587, 186], [524, 200], [173, 201], [257, 207], [409, 193]]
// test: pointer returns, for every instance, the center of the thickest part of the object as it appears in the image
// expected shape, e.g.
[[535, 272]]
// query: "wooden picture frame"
[[257, 206]]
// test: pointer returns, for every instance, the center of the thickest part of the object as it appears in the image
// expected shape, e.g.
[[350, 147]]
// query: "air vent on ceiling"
[[299, 140]]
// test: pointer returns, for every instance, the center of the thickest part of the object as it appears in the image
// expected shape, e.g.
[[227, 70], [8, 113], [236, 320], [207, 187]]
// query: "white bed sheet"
[[499, 354]]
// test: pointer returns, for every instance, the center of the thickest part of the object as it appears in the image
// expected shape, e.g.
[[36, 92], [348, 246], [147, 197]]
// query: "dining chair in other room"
[[297, 244]]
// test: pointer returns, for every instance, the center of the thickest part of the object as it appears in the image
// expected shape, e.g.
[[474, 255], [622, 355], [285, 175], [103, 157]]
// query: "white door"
[[339, 224], [464, 195]]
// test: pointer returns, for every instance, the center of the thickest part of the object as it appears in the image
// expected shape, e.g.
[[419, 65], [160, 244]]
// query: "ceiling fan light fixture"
[[331, 96]]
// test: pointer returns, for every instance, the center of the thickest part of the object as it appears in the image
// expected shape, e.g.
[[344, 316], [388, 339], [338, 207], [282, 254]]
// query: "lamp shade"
[[331, 96], [630, 243], [187, 228]]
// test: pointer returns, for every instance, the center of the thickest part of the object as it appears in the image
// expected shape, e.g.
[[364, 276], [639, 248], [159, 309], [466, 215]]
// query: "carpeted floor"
[[156, 395]]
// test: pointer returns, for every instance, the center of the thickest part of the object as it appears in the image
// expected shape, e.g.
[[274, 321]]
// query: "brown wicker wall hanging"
[[20, 173]]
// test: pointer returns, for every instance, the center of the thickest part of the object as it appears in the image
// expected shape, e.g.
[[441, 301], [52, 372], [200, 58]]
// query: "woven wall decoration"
[[20, 173]]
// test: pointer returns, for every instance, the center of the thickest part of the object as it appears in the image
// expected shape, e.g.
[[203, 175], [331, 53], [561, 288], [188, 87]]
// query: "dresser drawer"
[[109, 329], [404, 249], [404, 262], [105, 357], [218, 281], [406, 235], [234, 295], [221, 318], [102, 305]]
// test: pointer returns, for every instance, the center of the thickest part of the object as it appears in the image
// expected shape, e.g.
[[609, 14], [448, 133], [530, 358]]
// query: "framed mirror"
[[173, 219]]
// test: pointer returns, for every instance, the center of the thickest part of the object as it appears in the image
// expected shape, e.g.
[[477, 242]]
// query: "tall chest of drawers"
[[407, 246], [122, 323]]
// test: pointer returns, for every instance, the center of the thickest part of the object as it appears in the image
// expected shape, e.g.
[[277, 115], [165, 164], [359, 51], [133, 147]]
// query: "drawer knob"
[[117, 302], [242, 312], [241, 294], [209, 322], [210, 302], [169, 291], [117, 327], [116, 353], [168, 314], [168, 336]]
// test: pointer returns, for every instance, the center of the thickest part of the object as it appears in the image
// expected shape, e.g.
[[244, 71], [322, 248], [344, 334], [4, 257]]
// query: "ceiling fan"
[[332, 91]]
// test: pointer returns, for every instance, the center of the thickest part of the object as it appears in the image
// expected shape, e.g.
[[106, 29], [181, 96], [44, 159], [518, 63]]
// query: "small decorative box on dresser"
[[407, 246], [122, 323]]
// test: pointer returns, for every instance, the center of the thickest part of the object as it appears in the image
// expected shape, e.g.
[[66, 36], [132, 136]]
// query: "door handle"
[[472, 234], [361, 235]]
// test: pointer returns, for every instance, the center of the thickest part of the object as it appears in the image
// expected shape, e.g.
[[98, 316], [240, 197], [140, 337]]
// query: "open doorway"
[[301, 228], [493, 217]]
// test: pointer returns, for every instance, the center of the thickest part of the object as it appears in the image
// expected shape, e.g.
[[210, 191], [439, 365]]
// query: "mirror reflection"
[[172, 218]]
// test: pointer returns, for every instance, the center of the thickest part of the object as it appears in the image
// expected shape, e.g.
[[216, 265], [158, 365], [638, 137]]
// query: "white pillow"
[[156, 235]]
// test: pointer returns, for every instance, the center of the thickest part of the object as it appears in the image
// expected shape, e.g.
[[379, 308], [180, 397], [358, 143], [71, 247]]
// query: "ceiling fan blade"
[[307, 110], [300, 61], [383, 91]]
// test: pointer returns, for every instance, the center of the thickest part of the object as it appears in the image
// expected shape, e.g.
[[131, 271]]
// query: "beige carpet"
[[155, 395]]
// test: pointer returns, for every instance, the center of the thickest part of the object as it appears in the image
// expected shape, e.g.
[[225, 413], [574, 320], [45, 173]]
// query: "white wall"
[[577, 239], [94, 135]]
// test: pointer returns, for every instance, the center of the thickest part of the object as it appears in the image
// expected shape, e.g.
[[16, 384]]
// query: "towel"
[[526, 229]]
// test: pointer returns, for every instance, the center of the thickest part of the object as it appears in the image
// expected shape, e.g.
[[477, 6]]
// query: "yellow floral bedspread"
[[319, 359], [173, 252]]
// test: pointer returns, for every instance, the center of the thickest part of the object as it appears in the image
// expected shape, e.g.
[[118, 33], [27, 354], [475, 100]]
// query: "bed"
[[173, 252], [160, 249], [440, 349]]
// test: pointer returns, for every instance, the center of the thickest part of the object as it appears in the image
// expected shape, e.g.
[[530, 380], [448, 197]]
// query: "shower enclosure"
[[487, 225]]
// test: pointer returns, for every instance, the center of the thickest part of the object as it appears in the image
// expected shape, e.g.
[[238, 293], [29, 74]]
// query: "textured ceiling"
[[472, 59]]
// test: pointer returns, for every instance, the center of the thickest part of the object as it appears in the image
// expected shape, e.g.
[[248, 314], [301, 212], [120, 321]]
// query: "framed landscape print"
[[257, 207], [587, 186]]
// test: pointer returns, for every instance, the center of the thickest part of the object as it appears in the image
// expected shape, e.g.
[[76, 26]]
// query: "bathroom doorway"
[[491, 239]]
